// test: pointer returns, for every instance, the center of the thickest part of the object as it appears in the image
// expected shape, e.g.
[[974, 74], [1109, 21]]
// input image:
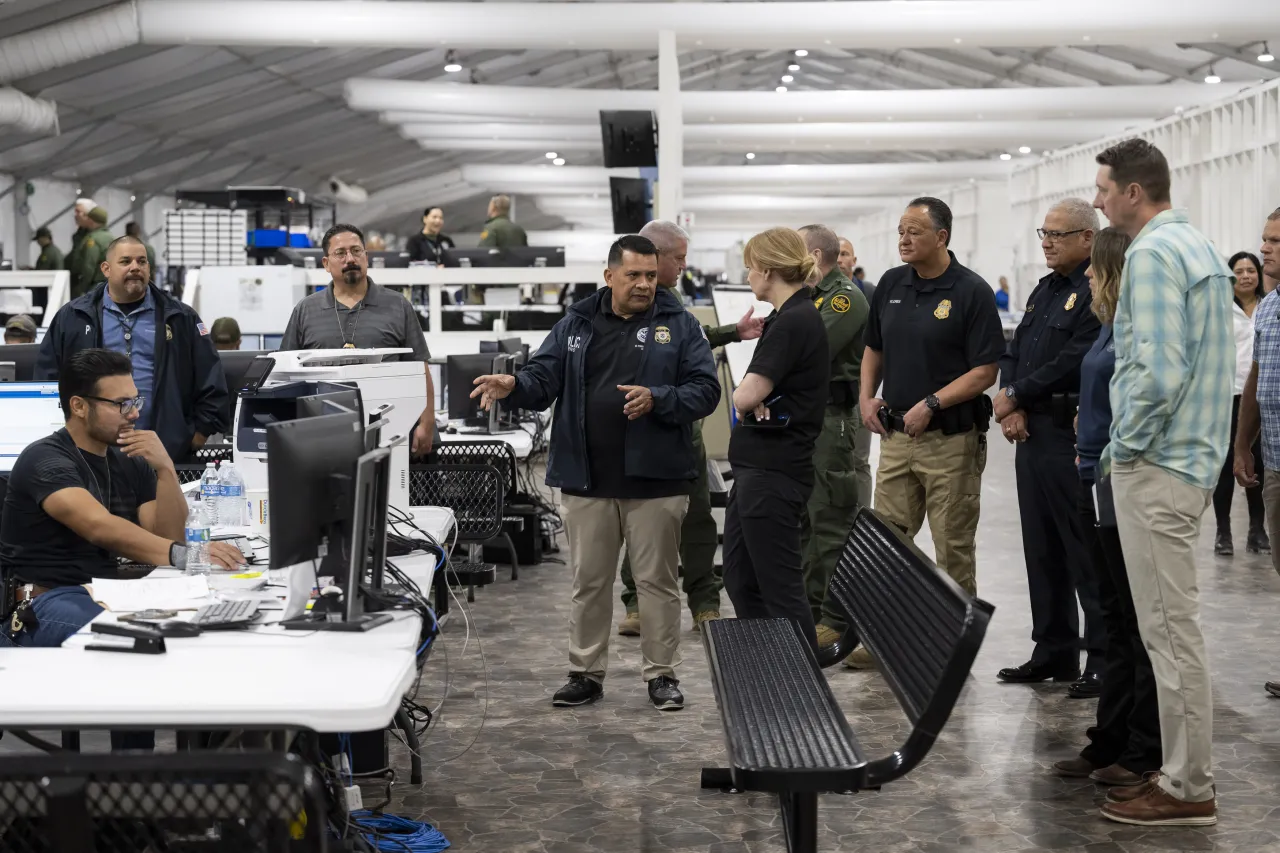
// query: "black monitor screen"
[[460, 377], [472, 258], [23, 357], [629, 137], [631, 208], [533, 256]]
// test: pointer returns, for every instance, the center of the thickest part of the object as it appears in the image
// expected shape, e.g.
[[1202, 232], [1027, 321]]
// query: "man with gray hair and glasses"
[[1036, 406]]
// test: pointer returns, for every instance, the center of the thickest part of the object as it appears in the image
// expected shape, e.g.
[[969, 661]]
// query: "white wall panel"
[[1225, 160]]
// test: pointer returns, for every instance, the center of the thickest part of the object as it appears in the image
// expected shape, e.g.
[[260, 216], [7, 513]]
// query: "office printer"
[[302, 373]]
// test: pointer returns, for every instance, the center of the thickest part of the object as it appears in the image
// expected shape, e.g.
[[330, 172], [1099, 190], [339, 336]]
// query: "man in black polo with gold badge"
[[934, 337], [1036, 406]]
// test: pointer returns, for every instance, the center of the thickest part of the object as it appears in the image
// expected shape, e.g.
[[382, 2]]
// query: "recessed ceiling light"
[[780, 89], [559, 161], [787, 78], [133, 198], [1006, 156], [751, 155], [453, 68], [551, 155], [1087, 38], [802, 52], [1211, 78], [1025, 149], [1266, 55], [958, 41], [793, 67]]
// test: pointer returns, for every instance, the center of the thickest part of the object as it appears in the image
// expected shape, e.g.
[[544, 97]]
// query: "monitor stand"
[[363, 622]]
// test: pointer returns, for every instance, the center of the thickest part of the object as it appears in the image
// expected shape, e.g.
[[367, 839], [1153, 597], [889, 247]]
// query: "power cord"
[[388, 832]]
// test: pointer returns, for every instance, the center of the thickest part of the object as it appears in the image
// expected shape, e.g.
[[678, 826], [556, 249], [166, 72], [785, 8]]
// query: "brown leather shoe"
[[1160, 808], [1132, 792], [1073, 768], [1115, 775]]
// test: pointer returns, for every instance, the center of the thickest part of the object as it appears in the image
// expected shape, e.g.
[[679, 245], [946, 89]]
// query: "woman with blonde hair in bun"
[[780, 404]]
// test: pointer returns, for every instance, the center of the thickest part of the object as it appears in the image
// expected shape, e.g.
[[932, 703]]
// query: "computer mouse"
[[452, 430], [178, 628]]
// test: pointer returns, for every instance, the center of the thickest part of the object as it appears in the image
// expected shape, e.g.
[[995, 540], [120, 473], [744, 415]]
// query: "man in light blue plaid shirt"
[[1170, 432]]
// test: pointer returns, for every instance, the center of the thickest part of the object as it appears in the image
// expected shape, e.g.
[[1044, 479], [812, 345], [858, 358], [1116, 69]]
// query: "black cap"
[[42, 232]]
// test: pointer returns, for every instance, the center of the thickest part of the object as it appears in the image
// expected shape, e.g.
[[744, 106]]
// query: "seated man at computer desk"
[[93, 490], [355, 313]]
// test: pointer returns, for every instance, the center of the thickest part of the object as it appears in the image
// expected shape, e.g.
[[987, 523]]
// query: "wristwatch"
[[932, 402], [1011, 392]]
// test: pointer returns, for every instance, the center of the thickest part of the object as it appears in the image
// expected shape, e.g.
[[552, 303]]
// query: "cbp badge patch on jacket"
[[662, 334], [840, 303], [943, 311]]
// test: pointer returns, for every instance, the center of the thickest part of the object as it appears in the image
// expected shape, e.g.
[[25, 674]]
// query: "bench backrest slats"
[[916, 622]]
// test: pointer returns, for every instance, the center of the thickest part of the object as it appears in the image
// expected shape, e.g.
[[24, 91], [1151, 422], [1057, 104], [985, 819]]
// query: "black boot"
[[1258, 543], [1222, 545]]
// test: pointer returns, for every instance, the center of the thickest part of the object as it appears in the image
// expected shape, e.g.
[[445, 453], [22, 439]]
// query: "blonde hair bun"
[[781, 250]]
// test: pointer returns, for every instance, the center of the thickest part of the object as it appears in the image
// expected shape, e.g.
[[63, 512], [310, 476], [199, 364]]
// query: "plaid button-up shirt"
[[1175, 353], [1266, 352]]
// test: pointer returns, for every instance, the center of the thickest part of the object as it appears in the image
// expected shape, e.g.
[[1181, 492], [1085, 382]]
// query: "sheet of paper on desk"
[[182, 593]]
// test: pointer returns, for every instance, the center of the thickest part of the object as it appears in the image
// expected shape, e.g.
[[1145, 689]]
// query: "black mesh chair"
[[475, 493], [248, 802], [501, 456], [192, 468]]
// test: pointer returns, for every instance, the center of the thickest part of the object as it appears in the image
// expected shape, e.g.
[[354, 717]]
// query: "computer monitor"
[[509, 346], [460, 377], [24, 358], [315, 481], [533, 256], [472, 258], [631, 207], [388, 260], [629, 138], [373, 483], [235, 364]]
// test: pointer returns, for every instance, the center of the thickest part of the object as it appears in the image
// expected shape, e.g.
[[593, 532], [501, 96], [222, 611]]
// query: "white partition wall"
[[1226, 172]]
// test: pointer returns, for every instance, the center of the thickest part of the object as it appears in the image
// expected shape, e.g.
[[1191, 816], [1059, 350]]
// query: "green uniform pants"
[[832, 506], [698, 540]]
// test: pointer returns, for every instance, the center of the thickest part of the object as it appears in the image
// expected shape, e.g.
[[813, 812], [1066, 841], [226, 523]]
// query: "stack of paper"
[[128, 596]]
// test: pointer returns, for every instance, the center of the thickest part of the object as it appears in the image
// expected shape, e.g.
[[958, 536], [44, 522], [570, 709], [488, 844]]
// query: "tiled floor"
[[507, 772]]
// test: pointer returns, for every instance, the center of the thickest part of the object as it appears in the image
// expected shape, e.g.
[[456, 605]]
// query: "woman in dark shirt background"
[[431, 243], [780, 402], [1125, 742]]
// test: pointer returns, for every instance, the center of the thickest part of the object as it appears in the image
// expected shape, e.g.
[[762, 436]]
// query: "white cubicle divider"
[[261, 298], [16, 295], [29, 412], [731, 303]]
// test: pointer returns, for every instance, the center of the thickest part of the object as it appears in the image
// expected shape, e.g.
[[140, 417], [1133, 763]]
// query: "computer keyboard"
[[226, 614]]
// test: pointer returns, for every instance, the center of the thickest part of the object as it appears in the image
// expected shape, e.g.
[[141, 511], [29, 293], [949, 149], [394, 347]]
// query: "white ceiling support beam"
[[430, 143], [403, 98], [25, 114], [873, 24]]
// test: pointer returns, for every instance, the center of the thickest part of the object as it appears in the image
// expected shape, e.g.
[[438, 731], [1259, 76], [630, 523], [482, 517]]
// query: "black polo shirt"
[[793, 352], [932, 331], [613, 359]]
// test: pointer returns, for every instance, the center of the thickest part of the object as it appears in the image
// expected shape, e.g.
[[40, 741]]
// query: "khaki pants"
[[939, 476], [1271, 505], [597, 529], [1158, 516]]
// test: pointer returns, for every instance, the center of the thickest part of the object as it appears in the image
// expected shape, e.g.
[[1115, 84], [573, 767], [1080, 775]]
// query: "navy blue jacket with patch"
[[676, 366], [190, 390]]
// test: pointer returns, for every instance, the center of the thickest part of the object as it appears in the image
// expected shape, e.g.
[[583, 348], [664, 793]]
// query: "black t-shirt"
[[423, 248], [613, 359], [932, 331], [792, 352], [39, 549]]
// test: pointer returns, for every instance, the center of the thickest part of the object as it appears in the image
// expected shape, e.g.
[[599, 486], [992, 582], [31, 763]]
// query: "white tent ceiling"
[[233, 100]]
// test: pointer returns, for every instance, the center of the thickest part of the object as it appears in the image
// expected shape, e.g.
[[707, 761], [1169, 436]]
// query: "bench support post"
[[800, 821]]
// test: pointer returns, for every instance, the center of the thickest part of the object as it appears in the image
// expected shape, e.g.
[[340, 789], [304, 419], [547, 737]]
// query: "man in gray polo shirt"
[[355, 313]]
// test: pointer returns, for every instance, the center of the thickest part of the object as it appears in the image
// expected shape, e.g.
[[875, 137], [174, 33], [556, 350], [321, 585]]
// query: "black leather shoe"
[[1273, 687], [579, 690], [664, 694], [1088, 687], [1031, 672], [1258, 543], [1222, 544]]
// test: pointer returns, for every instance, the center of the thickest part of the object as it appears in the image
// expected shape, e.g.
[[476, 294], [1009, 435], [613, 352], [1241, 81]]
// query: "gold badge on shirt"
[[943, 311], [1071, 302]]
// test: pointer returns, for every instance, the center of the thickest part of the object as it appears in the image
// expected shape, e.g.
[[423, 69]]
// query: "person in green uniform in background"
[[50, 255], [499, 231], [134, 230], [837, 466], [698, 534], [89, 248]]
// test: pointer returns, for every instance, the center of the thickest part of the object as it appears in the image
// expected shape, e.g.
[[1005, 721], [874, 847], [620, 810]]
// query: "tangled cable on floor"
[[391, 832]]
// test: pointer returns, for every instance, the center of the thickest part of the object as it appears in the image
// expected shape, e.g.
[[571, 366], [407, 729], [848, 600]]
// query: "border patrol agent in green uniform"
[[500, 232], [699, 535], [50, 255], [89, 251], [834, 502]]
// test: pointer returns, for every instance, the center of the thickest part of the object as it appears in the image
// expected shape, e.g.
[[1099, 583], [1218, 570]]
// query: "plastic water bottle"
[[198, 538], [210, 492], [231, 506]]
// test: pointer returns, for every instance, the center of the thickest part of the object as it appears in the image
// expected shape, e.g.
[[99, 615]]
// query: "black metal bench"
[[784, 732]]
